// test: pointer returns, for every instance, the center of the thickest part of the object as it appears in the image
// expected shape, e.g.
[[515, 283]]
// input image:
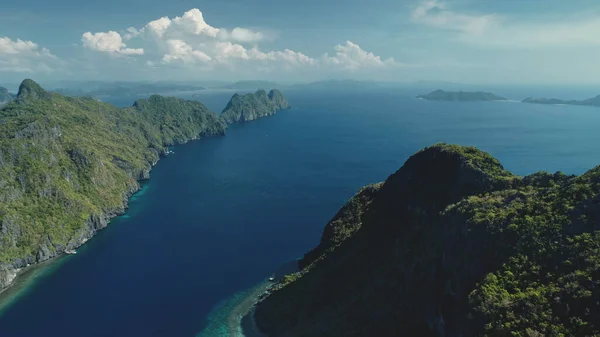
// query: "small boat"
[[271, 279], [70, 252]]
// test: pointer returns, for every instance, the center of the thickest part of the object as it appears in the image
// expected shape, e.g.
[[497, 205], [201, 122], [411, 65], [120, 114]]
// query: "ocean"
[[220, 215]]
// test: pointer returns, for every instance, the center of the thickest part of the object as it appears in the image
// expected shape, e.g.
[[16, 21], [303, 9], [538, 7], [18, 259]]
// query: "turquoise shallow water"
[[219, 215]]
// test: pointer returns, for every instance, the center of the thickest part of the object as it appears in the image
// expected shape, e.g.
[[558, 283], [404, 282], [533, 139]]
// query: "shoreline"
[[234, 316], [26, 277]]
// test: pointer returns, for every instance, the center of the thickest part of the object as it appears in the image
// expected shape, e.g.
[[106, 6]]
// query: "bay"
[[220, 214]]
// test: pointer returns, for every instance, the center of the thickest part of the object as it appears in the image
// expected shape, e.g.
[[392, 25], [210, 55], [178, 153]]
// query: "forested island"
[[461, 96], [594, 101], [450, 245], [69, 164], [244, 108]]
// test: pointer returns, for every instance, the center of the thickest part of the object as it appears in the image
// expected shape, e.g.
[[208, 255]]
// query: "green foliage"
[[452, 244], [242, 108], [66, 160]]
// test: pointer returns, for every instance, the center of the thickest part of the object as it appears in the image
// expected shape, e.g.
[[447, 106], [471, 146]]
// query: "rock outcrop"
[[451, 245], [244, 108]]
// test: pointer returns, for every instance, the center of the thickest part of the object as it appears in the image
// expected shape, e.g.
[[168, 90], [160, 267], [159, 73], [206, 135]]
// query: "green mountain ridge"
[[68, 165], [461, 96], [248, 107], [451, 245]]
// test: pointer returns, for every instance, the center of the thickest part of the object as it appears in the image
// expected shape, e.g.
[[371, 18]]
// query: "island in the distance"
[[248, 107], [461, 96], [594, 101]]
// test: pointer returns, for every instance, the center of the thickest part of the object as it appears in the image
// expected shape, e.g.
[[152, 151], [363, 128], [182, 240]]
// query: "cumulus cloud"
[[350, 56], [109, 42], [188, 40], [241, 35], [178, 50], [493, 30], [25, 56]]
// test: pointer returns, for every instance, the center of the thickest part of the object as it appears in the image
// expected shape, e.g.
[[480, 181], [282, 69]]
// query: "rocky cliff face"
[[68, 165], [244, 108], [451, 245]]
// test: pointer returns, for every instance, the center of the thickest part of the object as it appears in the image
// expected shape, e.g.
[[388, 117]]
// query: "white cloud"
[[288, 56], [131, 33], [350, 56], [25, 57], [493, 30], [109, 42], [189, 41], [243, 35], [158, 27], [192, 22], [183, 52], [227, 50]]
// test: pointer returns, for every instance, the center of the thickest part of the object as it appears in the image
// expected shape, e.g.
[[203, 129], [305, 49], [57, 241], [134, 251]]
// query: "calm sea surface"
[[221, 214]]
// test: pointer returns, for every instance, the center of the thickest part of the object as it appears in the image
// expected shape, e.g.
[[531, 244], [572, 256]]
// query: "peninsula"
[[461, 96], [248, 107], [450, 245], [69, 164]]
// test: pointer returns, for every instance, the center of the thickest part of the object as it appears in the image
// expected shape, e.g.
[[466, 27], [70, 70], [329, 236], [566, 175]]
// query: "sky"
[[464, 41]]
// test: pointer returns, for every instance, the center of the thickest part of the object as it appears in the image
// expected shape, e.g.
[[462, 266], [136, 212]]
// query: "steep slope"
[[67, 165], [452, 245], [5, 97], [244, 108]]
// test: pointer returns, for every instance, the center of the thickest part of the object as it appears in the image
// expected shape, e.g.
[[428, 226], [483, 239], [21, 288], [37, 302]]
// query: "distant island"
[[461, 96], [594, 101], [244, 108]]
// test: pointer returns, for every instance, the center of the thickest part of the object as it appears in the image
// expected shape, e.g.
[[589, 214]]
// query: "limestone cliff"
[[244, 108]]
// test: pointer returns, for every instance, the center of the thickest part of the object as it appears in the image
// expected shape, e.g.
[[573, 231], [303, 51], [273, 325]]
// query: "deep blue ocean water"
[[221, 214]]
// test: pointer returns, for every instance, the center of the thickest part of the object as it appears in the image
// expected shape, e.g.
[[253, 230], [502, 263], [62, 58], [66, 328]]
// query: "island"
[[451, 244], [5, 96], [68, 165], [461, 96], [248, 107], [594, 101]]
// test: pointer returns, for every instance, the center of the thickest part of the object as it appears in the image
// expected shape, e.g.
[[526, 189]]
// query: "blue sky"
[[468, 41]]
